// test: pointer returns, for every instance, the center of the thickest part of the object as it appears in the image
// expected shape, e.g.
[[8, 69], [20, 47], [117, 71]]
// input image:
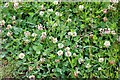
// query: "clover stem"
[[71, 66]]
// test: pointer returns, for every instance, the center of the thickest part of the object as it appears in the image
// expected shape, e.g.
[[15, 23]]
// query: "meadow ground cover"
[[59, 40]]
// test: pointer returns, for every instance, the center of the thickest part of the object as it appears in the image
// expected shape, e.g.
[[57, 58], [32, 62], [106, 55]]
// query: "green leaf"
[[38, 47], [82, 26], [95, 37]]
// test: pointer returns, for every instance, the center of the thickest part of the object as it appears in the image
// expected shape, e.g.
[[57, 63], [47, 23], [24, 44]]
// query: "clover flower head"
[[55, 2], [74, 54], [6, 5], [13, 17], [16, 4], [30, 68], [107, 44], [60, 53], [40, 27], [58, 14], [9, 26], [105, 19], [101, 59], [80, 60], [60, 45], [43, 36], [113, 32], [107, 31], [88, 65], [70, 33], [2, 22], [68, 53], [41, 13], [99, 68], [67, 49], [54, 40], [27, 33], [42, 60], [69, 20], [9, 33], [81, 7], [32, 77], [105, 11], [74, 34], [34, 34], [50, 10], [21, 55]]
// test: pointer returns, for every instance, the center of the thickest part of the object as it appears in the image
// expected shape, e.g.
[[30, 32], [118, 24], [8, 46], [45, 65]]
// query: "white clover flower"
[[105, 19], [30, 68], [80, 60], [69, 20], [113, 32], [55, 24], [13, 17], [91, 9], [58, 14], [70, 33], [66, 36], [55, 2], [34, 34], [43, 37], [88, 65], [76, 72], [107, 43], [60, 53], [42, 60], [105, 11], [57, 60], [0, 31], [60, 45], [32, 77], [9, 33], [81, 7], [118, 39], [6, 5], [13, 22], [68, 53], [44, 34], [50, 10], [51, 37], [74, 34], [41, 13], [101, 59], [100, 29], [67, 48], [99, 68], [109, 6], [74, 54], [114, 1], [107, 31], [27, 41], [2, 22], [42, 6], [54, 40], [16, 5], [40, 27], [9, 26], [27, 33], [21, 55]]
